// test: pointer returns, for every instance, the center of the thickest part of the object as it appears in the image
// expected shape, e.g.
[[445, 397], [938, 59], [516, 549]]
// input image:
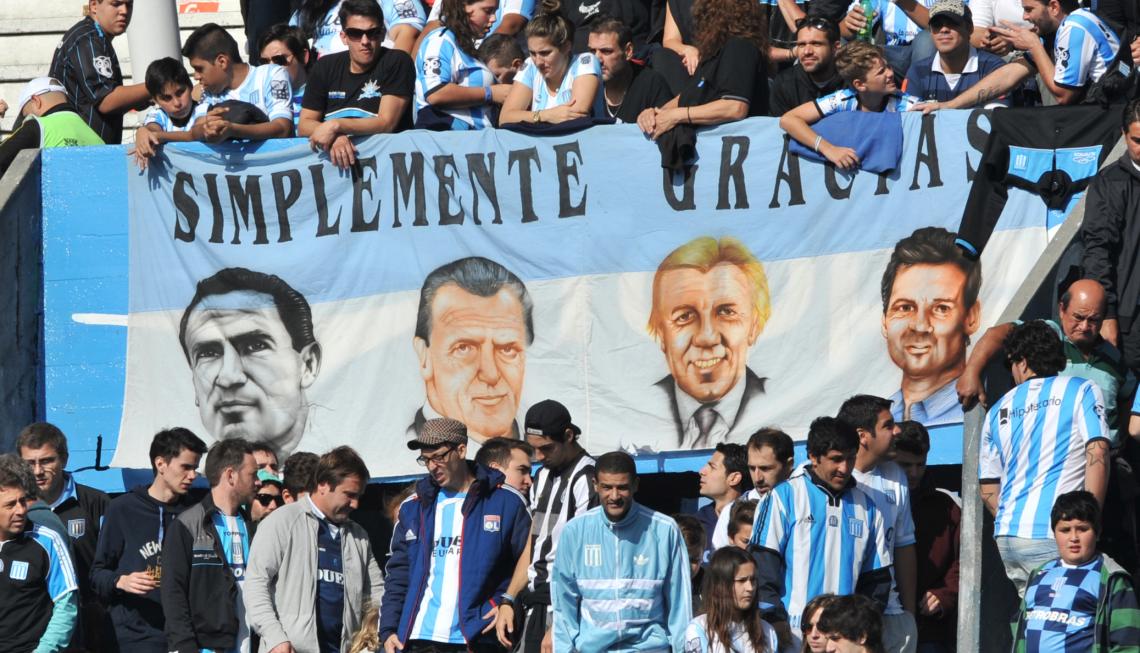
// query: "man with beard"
[[817, 40], [630, 87]]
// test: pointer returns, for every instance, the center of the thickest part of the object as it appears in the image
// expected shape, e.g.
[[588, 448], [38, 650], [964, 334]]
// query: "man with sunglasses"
[[814, 75], [363, 91], [436, 599], [268, 497]]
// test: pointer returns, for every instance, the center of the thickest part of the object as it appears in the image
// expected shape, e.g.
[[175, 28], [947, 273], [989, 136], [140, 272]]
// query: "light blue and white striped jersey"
[[61, 572], [887, 486], [541, 97], [233, 535], [437, 619], [326, 34], [1083, 49], [157, 116], [846, 99], [297, 100], [524, 8], [440, 61], [826, 541], [898, 28], [698, 640], [266, 87], [1033, 445]]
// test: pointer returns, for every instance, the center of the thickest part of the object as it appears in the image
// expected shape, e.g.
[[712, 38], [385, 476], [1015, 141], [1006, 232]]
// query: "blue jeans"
[[1022, 555]]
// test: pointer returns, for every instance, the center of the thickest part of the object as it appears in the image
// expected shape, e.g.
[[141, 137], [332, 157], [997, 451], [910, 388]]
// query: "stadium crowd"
[[852, 550], [332, 70]]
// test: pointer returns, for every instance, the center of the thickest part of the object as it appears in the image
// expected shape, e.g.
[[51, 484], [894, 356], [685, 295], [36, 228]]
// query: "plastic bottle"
[[867, 32]]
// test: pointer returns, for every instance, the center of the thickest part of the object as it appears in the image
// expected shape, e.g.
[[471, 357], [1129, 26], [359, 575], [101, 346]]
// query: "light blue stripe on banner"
[[736, 187]]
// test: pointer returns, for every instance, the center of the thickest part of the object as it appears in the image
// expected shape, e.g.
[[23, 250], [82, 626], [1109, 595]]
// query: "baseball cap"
[[439, 431], [956, 10], [549, 418], [266, 476], [38, 86]]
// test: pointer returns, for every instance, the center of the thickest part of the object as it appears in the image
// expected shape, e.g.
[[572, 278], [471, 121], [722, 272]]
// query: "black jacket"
[[1111, 234], [199, 594], [792, 87], [130, 540], [82, 514]]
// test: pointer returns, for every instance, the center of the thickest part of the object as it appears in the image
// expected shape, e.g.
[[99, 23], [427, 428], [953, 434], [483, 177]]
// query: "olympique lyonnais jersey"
[[825, 541], [156, 116], [886, 484], [1060, 607], [440, 61], [542, 98], [524, 8], [326, 34], [1083, 48], [847, 100], [554, 500], [1033, 445], [35, 572], [266, 87], [437, 619]]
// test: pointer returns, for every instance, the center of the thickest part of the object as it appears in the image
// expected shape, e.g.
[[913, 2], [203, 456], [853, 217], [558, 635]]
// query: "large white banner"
[[275, 297]]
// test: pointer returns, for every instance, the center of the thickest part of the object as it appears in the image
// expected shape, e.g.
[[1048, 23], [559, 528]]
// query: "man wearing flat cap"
[[431, 601]]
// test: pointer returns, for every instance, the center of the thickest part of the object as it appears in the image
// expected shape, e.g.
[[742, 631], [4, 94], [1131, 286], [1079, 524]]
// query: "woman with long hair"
[[815, 641], [555, 85], [731, 81], [731, 622], [320, 19], [454, 89]]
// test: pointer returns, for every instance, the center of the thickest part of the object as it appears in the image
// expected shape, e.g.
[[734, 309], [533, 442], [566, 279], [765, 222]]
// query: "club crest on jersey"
[[491, 523], [370, 90], [18, 571], [833, 521], [103, 65], [76, 528], [592, 555], [890, 498], [855, 527], [279, 89]]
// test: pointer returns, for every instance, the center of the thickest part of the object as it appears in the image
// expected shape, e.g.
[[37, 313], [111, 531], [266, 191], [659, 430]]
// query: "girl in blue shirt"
[[454, 89], [554, 86]]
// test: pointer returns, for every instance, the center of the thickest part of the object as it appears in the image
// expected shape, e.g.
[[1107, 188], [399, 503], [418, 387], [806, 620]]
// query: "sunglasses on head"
[[815, 22], [355, 33], [266, 499], [281, 59]]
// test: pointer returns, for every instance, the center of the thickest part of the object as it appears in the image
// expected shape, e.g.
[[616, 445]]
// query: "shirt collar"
[[971, 63], [727, 406], [932, 411], [67, 493], [333, 528]]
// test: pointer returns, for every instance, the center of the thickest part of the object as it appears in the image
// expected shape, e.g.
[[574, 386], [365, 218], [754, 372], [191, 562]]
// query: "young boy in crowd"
[[170, 120], [740, 524], [503, 56], [870, 87], [1083, 600]]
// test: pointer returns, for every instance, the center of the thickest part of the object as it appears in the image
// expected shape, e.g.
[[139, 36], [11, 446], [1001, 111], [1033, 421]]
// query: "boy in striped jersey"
[[886, 483], [819, 533], [1046, 436], [563, 488], [173, 116], [1082, 600]]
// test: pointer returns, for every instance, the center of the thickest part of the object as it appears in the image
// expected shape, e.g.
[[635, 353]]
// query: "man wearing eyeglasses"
[[363, 91], [814, 75], [268, 497], [435, 598]]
